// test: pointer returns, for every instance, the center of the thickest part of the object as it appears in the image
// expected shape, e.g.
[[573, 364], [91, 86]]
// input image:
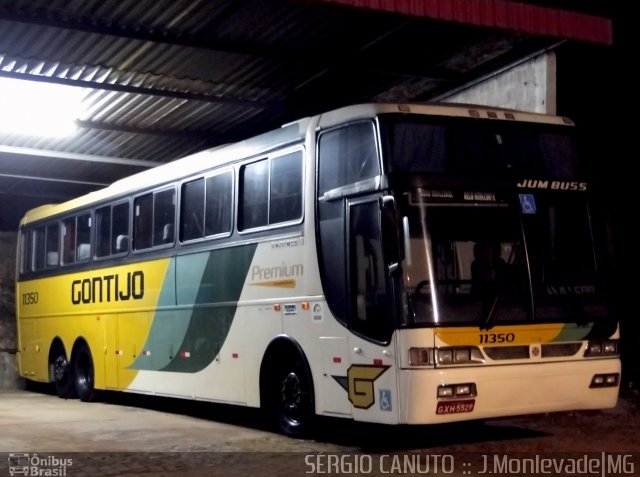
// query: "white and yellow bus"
[[398, 264]]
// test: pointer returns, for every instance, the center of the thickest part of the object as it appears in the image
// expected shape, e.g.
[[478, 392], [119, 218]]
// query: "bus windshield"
[[487, 263], [463, 147]]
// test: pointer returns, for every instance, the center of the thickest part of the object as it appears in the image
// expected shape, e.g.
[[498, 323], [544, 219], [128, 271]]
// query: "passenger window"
[[69, 240], [164, 214], [219, 204], [39, 248], [103, 231], [255, 195], [271, 191], [120, 228], [112, 230], [76, 239], [154, 219], [83, 237], [192, 213], [143, 222], [53, 244], [286, 188]]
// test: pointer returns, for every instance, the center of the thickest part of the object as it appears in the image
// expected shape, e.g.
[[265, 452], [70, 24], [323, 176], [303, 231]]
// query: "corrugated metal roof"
[[163, 78]]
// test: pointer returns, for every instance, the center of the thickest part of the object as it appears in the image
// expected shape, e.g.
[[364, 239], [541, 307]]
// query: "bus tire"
[[84, 375], [292, 399], [62, 373]]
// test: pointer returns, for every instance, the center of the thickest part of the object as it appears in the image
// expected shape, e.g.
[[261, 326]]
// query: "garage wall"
[[8, 369], [530, 86]]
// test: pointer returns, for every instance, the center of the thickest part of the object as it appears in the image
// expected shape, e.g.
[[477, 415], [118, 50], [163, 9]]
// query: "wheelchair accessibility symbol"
[[385, 399], [527, 203]]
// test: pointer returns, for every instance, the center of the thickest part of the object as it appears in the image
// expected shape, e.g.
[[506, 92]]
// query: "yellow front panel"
[[499, 335]]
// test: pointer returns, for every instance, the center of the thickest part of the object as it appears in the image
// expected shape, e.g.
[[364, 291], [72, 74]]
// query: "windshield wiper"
[[489, 321]]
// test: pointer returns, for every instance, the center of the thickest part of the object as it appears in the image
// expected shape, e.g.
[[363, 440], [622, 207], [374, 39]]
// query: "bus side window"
[[69, 240], [103, 231], [53, 244], [112, 230], [192, 213], [219, 203], [254, 195], [285, 198], [39, 248], [164, 214], [143, 220], [83, 237]]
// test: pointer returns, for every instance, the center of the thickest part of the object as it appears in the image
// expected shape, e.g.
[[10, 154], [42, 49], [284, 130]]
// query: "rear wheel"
[[83, 371], [62, 374]]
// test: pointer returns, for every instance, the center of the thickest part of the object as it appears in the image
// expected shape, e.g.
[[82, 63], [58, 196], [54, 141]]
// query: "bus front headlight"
[[446, 356]]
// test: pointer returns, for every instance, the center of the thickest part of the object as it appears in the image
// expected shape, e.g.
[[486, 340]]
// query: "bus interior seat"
[[84, 251], [52, 259], [167, 233], [122, 243]]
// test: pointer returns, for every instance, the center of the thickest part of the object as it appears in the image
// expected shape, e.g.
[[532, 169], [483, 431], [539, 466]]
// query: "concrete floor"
[[139, 435]]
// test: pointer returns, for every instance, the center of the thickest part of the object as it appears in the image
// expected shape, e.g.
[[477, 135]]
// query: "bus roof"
[[288, 134]]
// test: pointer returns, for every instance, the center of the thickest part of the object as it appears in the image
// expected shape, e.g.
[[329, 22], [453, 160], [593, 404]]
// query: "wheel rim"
[[292, 397], [60, 367]]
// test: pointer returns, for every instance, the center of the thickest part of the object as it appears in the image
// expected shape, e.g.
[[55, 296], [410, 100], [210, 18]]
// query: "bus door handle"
[[357, 350]]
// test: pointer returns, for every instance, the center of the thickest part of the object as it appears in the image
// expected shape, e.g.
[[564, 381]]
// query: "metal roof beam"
[[72, 156], [123, 88], [154, 35], [52, 179], [201, 136]]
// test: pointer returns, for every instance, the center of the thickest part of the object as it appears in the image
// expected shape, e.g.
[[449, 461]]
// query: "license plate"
[[454, 407]]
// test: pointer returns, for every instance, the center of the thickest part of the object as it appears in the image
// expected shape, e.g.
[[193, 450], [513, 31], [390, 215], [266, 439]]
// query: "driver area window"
[[370, 297]]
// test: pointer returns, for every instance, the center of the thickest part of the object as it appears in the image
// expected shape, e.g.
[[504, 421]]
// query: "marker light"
[[421, 356]]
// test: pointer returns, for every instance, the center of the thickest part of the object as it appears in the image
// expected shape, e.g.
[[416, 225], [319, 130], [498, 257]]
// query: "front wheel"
[[84, 376], [293, 399]]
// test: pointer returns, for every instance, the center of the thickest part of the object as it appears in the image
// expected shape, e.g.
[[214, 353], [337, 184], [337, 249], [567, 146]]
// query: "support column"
[[9, 378]]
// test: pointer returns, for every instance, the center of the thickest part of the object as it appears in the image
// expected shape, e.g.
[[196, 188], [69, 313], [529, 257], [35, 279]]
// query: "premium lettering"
[[282, 271], [108, 288]]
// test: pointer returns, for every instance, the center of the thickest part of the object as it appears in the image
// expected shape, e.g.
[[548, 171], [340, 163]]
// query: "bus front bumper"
[[506, 390]]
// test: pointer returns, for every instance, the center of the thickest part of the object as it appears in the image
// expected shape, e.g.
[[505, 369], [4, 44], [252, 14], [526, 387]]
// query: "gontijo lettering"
[[108, 288]]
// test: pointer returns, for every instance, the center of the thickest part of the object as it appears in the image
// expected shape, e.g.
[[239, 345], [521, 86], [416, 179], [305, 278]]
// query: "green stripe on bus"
[[210, 283]]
